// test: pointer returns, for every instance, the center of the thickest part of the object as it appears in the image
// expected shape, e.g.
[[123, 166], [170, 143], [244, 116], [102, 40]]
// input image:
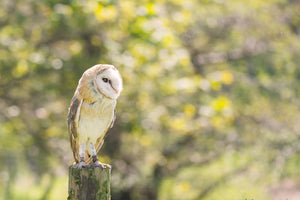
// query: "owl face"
[[109, 83]]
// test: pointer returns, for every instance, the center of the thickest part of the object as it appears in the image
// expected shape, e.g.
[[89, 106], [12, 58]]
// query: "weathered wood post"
[[90, 183]]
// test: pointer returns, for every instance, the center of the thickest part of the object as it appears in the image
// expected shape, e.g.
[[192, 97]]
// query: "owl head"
[[101, 79], [109, 82]]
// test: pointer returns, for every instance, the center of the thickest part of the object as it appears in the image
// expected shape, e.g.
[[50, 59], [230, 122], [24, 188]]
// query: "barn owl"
[[92, 112]]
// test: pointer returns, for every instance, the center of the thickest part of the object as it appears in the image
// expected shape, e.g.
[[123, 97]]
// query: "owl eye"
[[105, 80]]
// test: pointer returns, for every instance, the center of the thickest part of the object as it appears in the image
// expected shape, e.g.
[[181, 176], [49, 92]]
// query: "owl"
[[92, 112]]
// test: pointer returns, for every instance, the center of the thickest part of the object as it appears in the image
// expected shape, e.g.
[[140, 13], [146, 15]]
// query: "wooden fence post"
[[89, 183]]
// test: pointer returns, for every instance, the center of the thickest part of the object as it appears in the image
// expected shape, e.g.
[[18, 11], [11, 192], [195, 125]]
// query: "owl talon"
[[102, 165], [81, 165], [106, 166]]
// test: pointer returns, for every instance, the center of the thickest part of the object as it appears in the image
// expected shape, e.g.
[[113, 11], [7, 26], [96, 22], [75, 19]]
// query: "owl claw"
[[102, 165], [81, 165]]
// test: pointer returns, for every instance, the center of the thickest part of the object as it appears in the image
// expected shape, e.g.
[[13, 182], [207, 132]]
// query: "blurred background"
[[209, 110]]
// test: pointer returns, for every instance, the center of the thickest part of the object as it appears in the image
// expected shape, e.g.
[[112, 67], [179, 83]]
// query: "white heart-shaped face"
[[109, 83]]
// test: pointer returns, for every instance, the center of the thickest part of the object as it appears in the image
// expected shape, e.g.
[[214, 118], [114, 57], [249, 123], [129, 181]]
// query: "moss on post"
[[90, 183]]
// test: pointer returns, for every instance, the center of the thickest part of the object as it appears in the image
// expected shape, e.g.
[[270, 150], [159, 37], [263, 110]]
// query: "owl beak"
[[115, 90]]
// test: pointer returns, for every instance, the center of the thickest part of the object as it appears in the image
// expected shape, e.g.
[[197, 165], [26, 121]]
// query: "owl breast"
[[95, 119]]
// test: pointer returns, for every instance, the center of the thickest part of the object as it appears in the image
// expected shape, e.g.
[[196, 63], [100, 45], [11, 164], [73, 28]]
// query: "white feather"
[[94, 126]]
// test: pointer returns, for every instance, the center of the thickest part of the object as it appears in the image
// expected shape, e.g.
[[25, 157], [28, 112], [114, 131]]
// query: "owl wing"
[[100, 140], [73, 117]]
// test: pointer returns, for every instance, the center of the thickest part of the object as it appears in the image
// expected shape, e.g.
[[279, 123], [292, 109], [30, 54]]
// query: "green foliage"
[[210, 98]]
